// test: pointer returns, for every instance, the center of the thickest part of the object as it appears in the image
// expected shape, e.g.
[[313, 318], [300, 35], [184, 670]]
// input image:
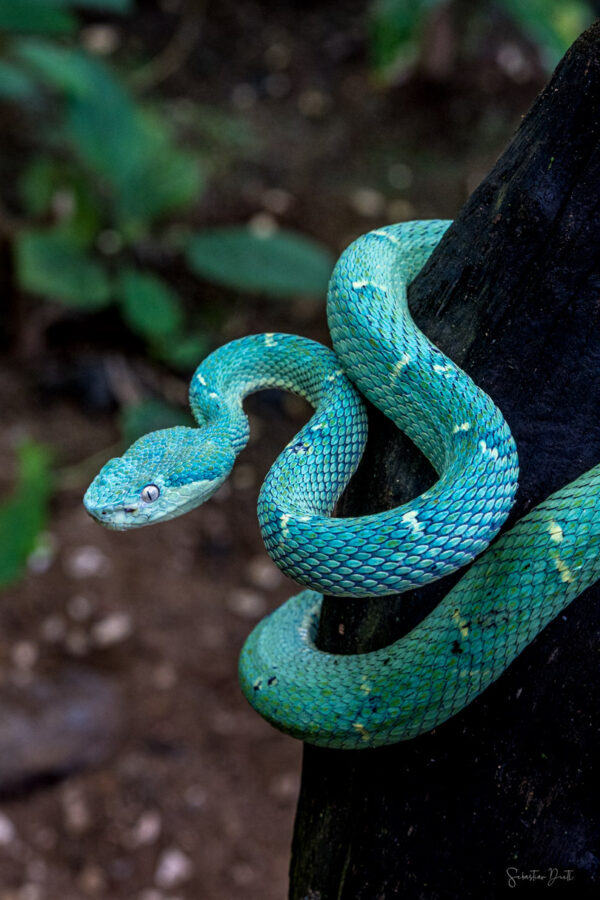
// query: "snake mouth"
[[118, 518], [120, 521]]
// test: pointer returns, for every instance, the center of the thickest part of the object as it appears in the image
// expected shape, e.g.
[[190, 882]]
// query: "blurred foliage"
[[23, 515], [127, 149], [396, 32], [277, 263], [552, 24], [397, 28], [108, 174], [51, 263], [105, 180], [51, 16]]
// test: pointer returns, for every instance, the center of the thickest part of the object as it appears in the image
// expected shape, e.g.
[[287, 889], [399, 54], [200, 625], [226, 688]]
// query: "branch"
[[511, 294]]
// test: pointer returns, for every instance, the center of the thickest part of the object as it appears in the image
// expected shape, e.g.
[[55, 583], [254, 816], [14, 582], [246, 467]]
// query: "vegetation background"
[[175, 174]]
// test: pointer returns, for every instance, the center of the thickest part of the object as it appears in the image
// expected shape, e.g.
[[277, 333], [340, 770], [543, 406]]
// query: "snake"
[[514, 584]]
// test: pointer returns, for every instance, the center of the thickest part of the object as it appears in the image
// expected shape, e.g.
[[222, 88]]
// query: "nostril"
[[104, 512]]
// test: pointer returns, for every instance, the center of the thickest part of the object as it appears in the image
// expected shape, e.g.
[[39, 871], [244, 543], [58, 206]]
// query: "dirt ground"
[[196, 776], [196, 797]]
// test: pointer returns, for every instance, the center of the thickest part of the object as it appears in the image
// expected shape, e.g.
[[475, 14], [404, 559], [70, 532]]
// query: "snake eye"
[[150, 493]]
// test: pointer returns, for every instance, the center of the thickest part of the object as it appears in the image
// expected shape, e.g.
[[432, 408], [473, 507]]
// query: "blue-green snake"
[[502, 602]]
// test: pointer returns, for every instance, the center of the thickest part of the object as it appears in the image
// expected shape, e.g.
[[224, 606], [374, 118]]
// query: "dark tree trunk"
[[512, 294]]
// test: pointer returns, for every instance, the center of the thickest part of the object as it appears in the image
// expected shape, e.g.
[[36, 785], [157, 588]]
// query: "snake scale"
[[504, 600]]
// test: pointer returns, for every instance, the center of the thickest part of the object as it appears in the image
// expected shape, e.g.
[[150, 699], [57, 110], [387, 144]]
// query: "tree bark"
[[512, 295]]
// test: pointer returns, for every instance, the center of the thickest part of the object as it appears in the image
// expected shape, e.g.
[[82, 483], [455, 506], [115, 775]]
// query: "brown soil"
[[196, 769]]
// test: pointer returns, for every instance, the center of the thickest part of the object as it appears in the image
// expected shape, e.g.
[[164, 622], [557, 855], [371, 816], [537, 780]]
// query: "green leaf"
[[149, 306], [72, 71], [23, 516], [153, 310], [35, 17], [128, 146], [51, 264], [183, 352], [553, 24], [44, 179], [37, 185], [150, 415], [395, 32], [15, 84], [153, 177], [281, 263], [108, 6]]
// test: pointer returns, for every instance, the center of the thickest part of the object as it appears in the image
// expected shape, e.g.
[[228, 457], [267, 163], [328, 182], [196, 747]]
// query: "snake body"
[[503, 601]]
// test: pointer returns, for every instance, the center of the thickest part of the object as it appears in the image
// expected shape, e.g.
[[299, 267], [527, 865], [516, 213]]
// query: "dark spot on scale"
[[272, 679], [386, 661], [456, 648], [257, 686]]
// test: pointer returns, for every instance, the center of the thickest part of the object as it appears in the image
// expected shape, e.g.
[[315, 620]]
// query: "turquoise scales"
[[498, 607]]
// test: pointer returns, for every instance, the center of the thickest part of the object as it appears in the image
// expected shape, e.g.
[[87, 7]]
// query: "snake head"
[[162, 475]]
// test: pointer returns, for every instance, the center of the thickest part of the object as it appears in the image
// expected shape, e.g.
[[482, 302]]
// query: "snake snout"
[[106, 514]]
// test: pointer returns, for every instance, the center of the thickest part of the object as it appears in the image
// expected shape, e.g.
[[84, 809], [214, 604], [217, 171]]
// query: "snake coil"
[[507, 596]]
